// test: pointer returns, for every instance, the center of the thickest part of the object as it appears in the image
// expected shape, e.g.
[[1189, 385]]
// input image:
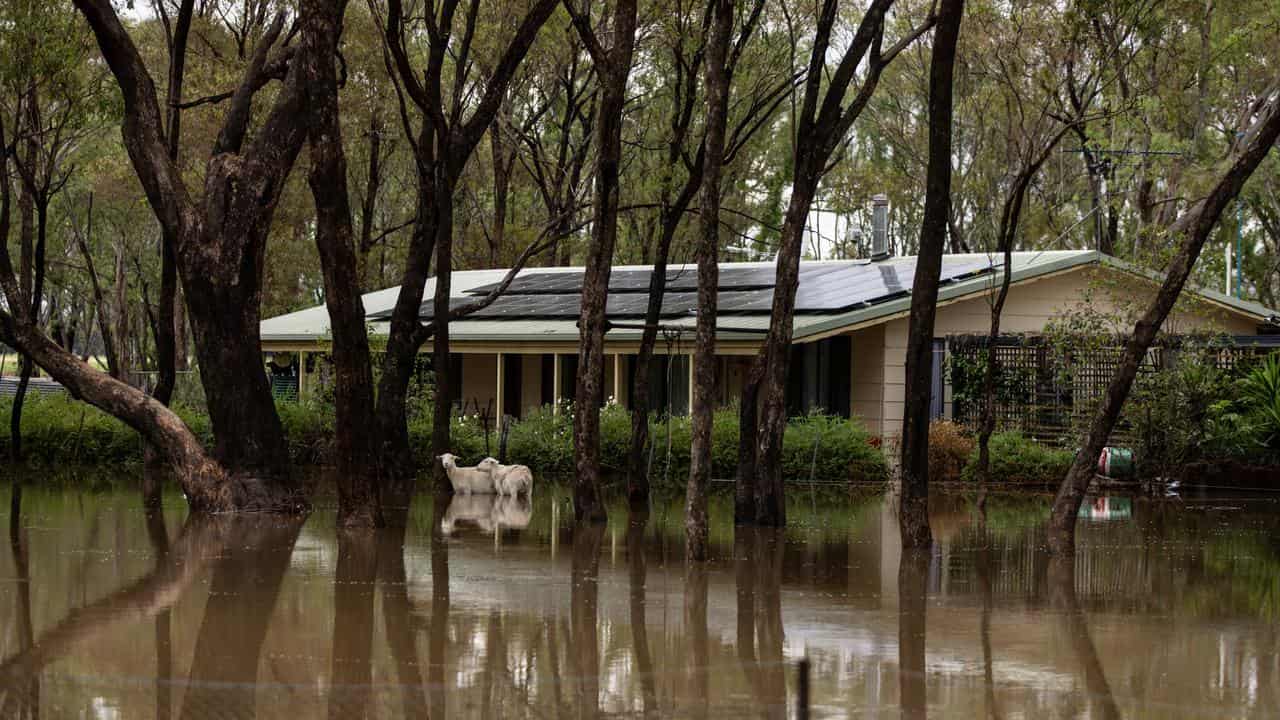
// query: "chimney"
[[880, 227]]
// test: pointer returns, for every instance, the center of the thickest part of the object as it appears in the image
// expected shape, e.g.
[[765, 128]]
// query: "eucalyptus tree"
[[913, 511], [681, 166], [613, 67], [221, 240], [822, 123], [1256, 137], [445, 110], [52, 97]]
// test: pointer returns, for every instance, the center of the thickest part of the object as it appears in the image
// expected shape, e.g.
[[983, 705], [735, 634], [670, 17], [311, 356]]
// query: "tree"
[[613, 66], [914, 509], [1254, 142], [821, 125], [704, 357], [442, 143], [355, 425], [221, 240]]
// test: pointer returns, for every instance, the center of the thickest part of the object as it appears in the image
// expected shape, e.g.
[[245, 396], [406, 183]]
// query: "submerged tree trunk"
[[221, 241], [613, 66], [1194, 228], [355, 423], [744, 486], [704, 356], [914, 508]]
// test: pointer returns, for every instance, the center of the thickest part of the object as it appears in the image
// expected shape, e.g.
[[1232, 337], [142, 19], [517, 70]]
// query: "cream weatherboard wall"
[[1028, 309]]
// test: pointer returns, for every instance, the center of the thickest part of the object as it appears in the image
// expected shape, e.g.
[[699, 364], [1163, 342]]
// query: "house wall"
[[479, 381], [866, 395], [1028, 309]]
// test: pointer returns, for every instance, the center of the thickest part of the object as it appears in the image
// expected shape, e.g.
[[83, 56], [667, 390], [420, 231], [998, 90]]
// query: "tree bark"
[[166, 317], [914, 508], [1194, 227], [442, 145], [355, 422], [704, 356], [823, 121], [614, 66]]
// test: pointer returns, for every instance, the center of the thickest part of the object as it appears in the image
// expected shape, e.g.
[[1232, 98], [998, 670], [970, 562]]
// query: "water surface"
[[477, 609]]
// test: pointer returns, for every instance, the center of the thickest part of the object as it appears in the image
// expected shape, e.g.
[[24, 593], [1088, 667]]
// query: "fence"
[[1045, 385]]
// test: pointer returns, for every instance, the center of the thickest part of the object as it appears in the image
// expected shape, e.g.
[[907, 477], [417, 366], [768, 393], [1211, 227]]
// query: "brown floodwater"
[[484, 609]]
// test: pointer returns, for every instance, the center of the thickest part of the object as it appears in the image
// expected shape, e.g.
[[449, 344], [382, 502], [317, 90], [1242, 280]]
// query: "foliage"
[[1018, 459], [57, 429], [1260, 392], [949, 450]]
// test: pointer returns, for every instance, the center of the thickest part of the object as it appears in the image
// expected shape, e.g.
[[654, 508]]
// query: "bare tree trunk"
[[823, 121], [744, 487], [1194, 227], [99, 298], [914, 508], [704, 356], [614, 66], [166, 321], [353, 388]]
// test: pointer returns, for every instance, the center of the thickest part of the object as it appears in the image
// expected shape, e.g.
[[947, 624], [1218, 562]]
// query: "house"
[[850, 335]]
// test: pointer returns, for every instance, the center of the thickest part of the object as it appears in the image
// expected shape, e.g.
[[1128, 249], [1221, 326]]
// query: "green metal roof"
[[312, 324]]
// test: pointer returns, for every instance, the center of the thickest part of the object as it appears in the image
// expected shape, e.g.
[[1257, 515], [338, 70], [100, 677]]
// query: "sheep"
[[508, 479], [467, 480]]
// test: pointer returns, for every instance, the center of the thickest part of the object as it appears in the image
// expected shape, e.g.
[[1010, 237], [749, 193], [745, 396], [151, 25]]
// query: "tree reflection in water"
[[698, 658], [242, 596], [637, 571], [21, 698], [583, 603], [396, 608], [1062, 591], [758, 573], [353, 588], [913, 578], [158, 535], [438, 631]]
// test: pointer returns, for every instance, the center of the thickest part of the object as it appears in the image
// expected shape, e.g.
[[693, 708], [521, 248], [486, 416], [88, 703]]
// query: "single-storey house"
[[850, 335]]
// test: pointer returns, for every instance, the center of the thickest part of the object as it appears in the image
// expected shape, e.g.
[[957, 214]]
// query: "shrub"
[[1017, 459], [1260, 392], [949, 450]]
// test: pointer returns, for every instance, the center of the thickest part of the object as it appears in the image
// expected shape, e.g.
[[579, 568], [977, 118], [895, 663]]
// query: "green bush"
[[1260, 392], [59, 429], [1018, 459]]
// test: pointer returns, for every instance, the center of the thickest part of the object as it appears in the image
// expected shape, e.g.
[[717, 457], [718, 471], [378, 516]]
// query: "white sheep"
[[465, 480], [508, 479]]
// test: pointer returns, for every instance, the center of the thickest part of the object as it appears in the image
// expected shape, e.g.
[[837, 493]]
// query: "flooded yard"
[[483, 609]]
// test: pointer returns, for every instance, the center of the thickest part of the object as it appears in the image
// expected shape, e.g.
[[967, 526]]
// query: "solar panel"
[[823, 289]]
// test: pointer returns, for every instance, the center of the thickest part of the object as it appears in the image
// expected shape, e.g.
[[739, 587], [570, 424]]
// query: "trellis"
[[1045, 386]]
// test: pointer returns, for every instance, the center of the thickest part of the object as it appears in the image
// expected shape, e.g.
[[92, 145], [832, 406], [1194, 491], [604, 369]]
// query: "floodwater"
[[478, 609]]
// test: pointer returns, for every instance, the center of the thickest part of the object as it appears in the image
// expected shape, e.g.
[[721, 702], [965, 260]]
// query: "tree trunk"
[[914, 508], [355, 424], [744, 487], [704, 356], [1194, 227], [399, 359], [169, 310], [615, 66], [769, 494]]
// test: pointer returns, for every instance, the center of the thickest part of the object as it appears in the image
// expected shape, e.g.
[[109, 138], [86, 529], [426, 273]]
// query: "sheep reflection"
[[488, 513]]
